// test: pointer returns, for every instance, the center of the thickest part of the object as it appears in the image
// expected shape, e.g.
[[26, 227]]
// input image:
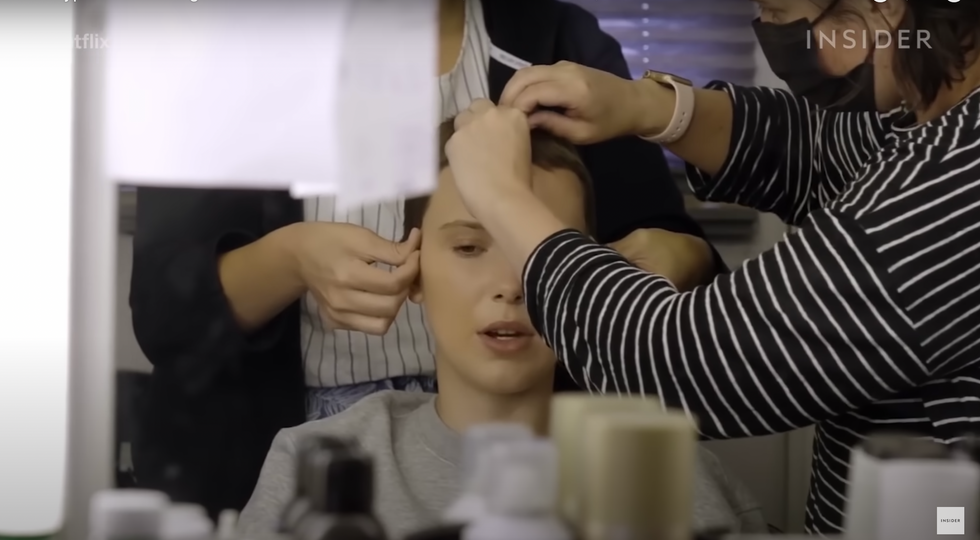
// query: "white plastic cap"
[[524, 479], [468, 507], [186, 522], [477, 442], [227, 525], [126, 513]]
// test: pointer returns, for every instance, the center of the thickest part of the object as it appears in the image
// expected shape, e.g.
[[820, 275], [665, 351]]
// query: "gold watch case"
[[666, 79]]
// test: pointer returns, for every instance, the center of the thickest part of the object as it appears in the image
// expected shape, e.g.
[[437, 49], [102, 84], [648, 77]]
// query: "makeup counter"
[[605, 454]]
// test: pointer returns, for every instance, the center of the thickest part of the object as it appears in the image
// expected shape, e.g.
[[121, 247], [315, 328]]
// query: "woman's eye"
[[468, 250]]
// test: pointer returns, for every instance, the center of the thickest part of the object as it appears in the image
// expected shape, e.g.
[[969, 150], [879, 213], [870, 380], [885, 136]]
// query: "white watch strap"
[[683, 112]]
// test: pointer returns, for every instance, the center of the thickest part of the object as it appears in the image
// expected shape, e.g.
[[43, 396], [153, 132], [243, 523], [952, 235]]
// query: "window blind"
[[700, 40]]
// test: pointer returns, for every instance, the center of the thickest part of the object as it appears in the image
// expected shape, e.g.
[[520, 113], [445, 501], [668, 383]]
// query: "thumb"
[[624, 247], [412, 243], [394, 253], [559, 125]]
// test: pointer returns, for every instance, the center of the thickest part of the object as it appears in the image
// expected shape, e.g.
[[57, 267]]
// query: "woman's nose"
[[511, 294]]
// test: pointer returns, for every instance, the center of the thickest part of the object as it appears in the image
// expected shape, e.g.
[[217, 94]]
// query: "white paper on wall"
[[388, 101], [223, 93]]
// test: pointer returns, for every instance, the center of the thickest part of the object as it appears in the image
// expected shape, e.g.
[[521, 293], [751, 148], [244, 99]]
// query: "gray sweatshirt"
[[416, 464]]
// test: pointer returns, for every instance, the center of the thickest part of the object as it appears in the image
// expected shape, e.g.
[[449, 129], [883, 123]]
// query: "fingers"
[[560, 125], [531, 76], [370, 301], [406, 274], [476, 108], [481, 105], [636, 242], [462, 119], [367, 278], [357, 322], [373, 248], [564, 94], [364, 303], [411, 244]]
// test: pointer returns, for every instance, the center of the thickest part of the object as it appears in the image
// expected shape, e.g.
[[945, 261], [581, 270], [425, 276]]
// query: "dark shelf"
[[127, 210]]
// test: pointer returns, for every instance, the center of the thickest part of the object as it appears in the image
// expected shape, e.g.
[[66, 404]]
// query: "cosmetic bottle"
[[568, 412], [906, 487], [475, 468], [522, 495], [638, 476], [294, 511], [186, 522], [341, 499], [127, 514], [227, 526]]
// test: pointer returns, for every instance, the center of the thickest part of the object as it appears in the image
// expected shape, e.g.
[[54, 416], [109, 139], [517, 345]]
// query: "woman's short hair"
[[547, 151], [951, 34]]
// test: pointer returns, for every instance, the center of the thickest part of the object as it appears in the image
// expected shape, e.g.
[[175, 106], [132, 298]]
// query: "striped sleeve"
[[806, 331], [784, 156]]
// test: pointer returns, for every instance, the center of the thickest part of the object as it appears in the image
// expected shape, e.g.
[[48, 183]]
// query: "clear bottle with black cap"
[[300, 504], [341, 499]]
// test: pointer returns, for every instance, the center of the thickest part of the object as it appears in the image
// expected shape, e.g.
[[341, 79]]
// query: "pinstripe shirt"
[[338, 357], [867, 318]]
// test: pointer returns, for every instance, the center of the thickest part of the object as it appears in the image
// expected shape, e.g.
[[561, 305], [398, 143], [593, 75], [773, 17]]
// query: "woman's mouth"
[[507, 337]]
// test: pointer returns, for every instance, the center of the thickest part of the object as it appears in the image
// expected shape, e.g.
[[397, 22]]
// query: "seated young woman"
[[470, 295]]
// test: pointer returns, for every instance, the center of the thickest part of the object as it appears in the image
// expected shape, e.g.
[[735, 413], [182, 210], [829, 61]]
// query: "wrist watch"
[[683, 107]]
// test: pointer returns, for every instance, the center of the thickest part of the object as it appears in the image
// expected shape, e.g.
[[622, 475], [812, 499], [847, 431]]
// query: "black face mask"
[[795, 60]]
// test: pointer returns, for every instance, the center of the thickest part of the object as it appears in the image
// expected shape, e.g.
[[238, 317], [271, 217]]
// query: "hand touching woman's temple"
[[599, 106], [490, 158]]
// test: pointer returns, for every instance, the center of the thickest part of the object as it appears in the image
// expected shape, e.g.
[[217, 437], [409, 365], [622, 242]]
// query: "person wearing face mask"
[[866, 318]]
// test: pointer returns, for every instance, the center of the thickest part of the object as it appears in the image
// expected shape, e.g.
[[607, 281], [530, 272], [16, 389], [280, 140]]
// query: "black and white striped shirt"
[[866, 319], [337, 357]]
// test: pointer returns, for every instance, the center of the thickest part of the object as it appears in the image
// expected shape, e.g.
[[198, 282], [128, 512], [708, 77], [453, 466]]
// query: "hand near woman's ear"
[[685, 260], [336, 263]]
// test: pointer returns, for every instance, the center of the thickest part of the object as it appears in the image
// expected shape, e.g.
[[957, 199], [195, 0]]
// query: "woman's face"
[[467, 285], [854, 32]]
